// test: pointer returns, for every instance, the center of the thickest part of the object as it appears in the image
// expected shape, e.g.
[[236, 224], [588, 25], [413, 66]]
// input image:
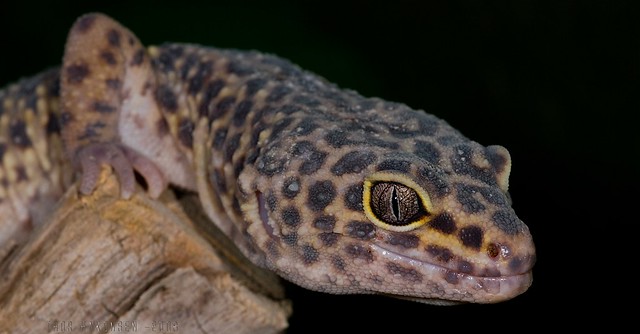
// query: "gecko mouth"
[[463, 287]]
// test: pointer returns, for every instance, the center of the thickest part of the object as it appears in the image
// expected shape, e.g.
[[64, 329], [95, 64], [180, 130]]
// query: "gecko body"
[[331, 190]]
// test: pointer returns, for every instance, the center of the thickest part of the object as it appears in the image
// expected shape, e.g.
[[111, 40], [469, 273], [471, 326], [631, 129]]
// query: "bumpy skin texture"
[[331, 190]]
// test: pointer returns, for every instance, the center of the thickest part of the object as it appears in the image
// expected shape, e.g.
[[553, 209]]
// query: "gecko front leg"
[[110, 112]]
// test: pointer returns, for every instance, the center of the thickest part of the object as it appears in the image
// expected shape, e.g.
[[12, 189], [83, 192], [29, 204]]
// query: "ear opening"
[[500, 160]]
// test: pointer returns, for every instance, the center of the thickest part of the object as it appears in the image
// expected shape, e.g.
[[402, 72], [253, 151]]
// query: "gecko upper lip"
[[484, 289]]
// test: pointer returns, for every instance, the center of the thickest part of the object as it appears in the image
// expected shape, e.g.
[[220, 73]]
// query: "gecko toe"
[[156, 182], [123, 161]]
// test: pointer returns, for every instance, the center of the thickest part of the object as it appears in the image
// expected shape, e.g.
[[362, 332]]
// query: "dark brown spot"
[[167, 98], [290, 109], [85, 23], [190, 61], [471, 236], [465, 267], [137, 58], [358, 252], [108, 57], [242, 110], [103, 107], [231, 146], [278, 128], [427, 125], [91, 130], [239, 69], [309, 254], [277, 93], [238, 167], [452, 277], [220, 181], [165, 61], [440, 253], [77, 73], [320, 195], [493, 196], [272, 248], [21, 174], [291, 216], [336, 138], [305, 127], [329, 238], [407, 274], [491, 272], [312, 163], [517, 264], [291, 187], [427, 151], [185, 132], [66, 118], [113, 36], [507, 222], [325, 223], [254, 85], [338, 263], [462, 164], [361, 230], [306, 100], [405, 240], [449, 140], [3, 149], [202, 74], [290, 239], [211, 91], [53, 124], [222, 107], [313, 159], [219, 137], [113, 84], [438, 186], [269, 164], [497, 158], [235, 205], [353, 197], [466, 195], [377, 279], [353, 162], [444, 223], [162, 127], [394, 165], [18, 133]]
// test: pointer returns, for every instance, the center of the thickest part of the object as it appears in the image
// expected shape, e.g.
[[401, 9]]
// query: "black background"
[[555, 82]]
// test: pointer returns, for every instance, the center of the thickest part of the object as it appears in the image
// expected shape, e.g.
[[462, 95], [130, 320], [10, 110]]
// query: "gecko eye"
[[392, 205], [395, 204]]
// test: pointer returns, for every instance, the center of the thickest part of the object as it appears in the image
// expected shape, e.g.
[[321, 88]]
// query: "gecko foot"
[[124, 161]]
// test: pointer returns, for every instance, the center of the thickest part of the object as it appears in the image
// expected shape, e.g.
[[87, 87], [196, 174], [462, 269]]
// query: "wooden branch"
[[102, 264]]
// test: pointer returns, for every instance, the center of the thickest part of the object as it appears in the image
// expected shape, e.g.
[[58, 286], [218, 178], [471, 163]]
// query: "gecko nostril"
[[493, 250]]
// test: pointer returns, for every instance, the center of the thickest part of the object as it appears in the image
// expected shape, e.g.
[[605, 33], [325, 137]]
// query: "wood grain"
[[101, 262]]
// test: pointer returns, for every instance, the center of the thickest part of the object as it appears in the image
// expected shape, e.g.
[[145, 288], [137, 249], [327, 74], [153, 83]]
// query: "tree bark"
[[104, 264]]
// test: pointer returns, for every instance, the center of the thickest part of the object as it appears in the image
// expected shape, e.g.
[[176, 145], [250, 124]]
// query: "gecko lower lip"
[[482, 289]]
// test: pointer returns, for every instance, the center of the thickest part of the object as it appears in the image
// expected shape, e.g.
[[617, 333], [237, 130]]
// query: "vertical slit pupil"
[[395, 206]]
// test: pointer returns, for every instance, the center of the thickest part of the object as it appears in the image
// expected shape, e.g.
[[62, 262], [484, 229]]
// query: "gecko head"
[[423, 216]]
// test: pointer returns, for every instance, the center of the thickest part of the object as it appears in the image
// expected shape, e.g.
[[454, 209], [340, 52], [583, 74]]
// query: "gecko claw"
[[124, 161]]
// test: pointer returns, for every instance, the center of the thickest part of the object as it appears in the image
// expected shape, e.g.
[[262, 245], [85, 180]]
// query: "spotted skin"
[[331, 190]]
